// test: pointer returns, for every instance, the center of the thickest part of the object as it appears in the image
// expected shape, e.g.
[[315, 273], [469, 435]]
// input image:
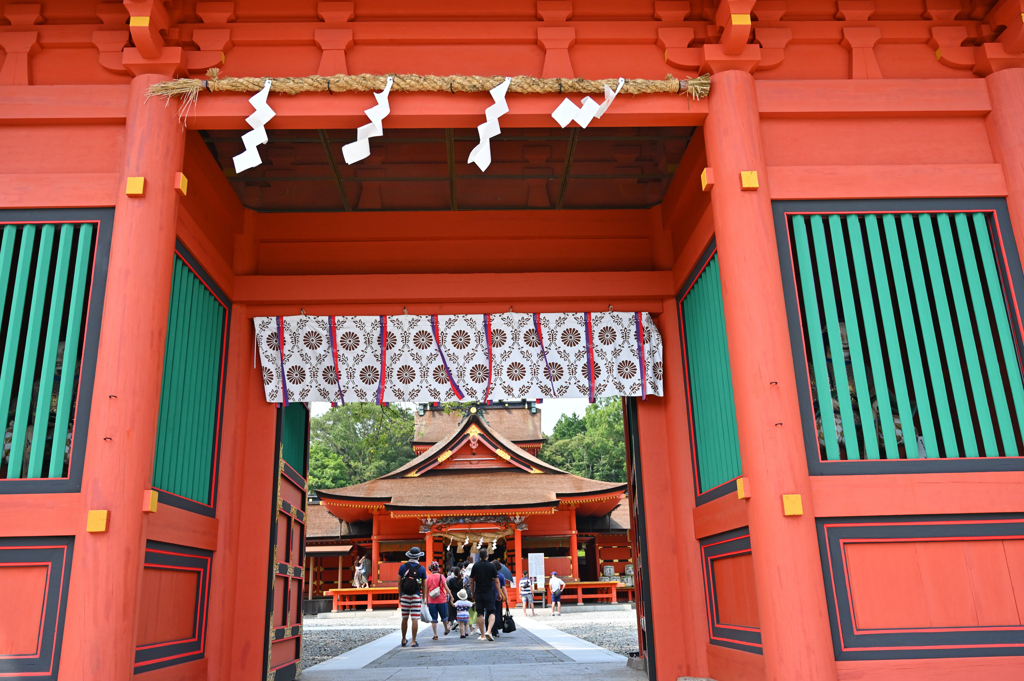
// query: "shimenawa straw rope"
[[190, 88]]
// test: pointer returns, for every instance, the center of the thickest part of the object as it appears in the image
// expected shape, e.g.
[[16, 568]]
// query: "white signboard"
[[537, 567]]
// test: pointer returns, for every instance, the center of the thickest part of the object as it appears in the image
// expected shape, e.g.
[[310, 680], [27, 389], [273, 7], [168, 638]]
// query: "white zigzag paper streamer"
[[360, 149], [257, 120], [588, 110], [481, 154]]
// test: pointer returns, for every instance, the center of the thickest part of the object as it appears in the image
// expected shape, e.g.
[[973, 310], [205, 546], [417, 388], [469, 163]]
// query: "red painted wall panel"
[[62, 148], [933, 584], [555, 524], [168, 606], [22, 592], [879, 141], [735, 590]]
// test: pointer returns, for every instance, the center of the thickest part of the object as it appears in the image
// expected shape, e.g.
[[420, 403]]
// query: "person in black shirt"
[[483, 583]]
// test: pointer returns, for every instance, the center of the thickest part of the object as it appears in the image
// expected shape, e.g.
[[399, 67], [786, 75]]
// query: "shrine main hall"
[[478, 479]]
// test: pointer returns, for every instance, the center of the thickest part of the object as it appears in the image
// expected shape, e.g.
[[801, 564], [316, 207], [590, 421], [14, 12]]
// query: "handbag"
[[425, 614], [436, 591], [472, 614], [508, 625]]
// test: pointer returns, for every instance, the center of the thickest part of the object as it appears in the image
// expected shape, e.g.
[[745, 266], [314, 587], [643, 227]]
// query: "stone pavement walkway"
[[535, 650], [520, 647]]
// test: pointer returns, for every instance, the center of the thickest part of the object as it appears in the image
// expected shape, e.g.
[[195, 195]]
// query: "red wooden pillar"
[[574, 546], [672, 566], [429, 547], [1006, 88], [517, 567], [126, 398], [790, 591], [375, 553]]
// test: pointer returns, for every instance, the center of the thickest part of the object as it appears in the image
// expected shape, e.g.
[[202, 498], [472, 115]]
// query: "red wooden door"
[[638, 537], [288, 540]]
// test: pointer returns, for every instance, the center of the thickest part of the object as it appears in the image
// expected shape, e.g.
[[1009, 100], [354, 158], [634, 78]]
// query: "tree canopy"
[[592, 446], [358, 442]]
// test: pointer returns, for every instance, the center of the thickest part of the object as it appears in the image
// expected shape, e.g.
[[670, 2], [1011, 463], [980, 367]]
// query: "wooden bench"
[[348, 599], [594, 591]]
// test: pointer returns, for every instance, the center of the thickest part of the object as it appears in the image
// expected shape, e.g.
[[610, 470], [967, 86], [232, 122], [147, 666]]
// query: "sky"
[[550, 410]]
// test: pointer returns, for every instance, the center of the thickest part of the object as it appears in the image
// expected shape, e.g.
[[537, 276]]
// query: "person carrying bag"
[[508, 625], [437, 599], [411, 576]]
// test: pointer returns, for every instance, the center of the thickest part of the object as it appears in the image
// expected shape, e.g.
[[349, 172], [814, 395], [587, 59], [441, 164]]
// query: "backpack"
[[411, 581]]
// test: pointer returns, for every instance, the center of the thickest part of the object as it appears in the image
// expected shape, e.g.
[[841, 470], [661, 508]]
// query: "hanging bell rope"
[[191, 88]]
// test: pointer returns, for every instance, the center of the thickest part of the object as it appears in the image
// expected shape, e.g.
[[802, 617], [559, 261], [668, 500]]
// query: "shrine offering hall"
[[784, 234]]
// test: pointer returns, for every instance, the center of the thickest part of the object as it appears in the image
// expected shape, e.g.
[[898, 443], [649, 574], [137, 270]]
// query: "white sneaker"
[[489, 636]]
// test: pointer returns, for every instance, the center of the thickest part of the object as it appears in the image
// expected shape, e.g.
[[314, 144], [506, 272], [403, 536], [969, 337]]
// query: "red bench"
[[594, 591], [348, 599]]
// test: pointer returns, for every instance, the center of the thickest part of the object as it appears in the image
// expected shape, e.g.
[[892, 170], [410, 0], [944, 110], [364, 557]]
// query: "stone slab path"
[[535, 650]]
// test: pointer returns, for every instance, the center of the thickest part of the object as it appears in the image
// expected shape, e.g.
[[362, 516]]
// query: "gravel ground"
[[321, 642], [611, 629]]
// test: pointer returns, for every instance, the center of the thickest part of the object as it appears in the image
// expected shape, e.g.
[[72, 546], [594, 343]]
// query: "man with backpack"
[[411, 576]]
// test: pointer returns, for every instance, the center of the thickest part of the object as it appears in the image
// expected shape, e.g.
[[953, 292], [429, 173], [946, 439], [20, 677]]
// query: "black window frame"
[[729, 486], [1011, 278], [103, 219], [170, 498]]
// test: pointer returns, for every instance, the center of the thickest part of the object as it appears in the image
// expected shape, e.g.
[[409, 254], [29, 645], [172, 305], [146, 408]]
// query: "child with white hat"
[[462, 607]]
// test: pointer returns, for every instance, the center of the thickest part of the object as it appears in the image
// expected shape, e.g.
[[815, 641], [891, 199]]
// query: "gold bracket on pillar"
[[748, 180], [97, 521], [707, 179], [792, 504], [180, 184], [743, 488], [135, 187], [150, 500]]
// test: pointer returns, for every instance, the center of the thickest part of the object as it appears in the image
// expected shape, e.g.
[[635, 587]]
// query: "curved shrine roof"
[[444, 477], [515, 423]]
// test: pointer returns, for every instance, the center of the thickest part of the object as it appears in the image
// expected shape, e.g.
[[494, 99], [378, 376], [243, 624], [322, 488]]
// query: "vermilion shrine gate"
[[830, 486]]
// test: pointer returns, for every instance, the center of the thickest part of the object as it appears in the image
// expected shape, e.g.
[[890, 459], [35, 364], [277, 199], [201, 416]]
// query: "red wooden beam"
[[947, 97], [399, 289]]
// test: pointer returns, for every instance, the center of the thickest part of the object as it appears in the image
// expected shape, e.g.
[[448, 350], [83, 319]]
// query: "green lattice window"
[[187, 435], [44, 289], [294, 425], [909, 340], [713, 438]]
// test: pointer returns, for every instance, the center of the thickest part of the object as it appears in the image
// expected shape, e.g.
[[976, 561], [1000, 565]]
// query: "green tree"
[[358, 442], [593, 446]]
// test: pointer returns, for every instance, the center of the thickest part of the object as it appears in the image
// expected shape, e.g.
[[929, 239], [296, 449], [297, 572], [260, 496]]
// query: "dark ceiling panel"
[[531, 168]]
